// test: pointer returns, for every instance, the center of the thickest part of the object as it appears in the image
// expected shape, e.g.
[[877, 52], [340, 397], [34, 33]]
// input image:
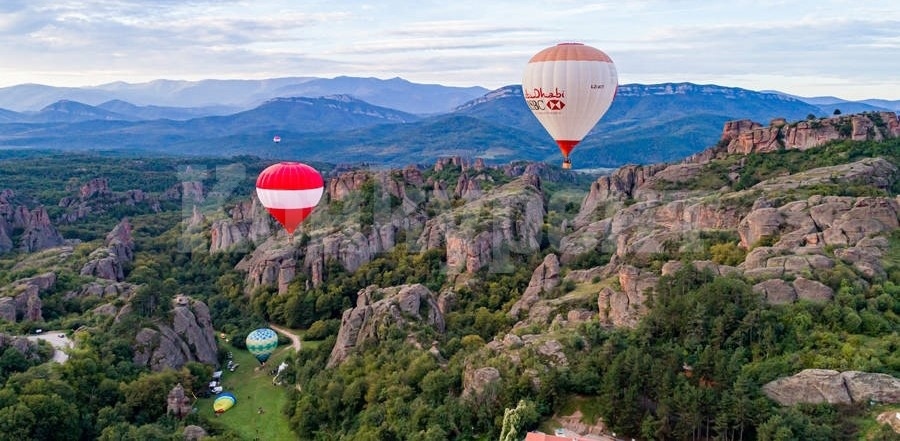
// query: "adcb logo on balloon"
[[555, 105]]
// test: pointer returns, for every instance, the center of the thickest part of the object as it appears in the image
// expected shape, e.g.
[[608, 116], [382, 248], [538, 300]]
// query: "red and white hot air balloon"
[[290, 192], [569, 87], [276, 139]]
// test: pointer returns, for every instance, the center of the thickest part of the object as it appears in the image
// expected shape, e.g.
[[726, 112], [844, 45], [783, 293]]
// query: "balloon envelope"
[[290, 192], [223, 402], [261, 343], [569, 87], [276, 139]]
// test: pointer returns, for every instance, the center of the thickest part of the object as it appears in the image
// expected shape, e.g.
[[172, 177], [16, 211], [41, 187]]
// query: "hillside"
[[750, 290]]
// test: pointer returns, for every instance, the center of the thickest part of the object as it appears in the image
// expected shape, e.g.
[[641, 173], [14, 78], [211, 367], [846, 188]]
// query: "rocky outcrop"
[[177, 402], [109, 262], [103, 288], [544, 278], [643, 228], [21, 299], [39, 233], [248, 224], [483, 232], [804, 227], [625, 308], [608, 193], [189, 337], [95, 197], [828, 386], [380, 309], [468, 188], [194, 433], [745, 136], [23, 345], [778, 291], [480, 382]]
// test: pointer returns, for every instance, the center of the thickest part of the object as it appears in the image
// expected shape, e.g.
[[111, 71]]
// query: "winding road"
[[287, 333]]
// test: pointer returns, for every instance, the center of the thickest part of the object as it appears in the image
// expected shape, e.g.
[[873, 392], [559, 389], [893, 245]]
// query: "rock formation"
[[194, 433], [479, 383], [95, 196], [544, 278], [380, 309], [483, 232], [828, 386], [39, 233], [248, 224], [189, 337], [109, 262], [624, 308], [745, 136], [177, 403], [21, 299]]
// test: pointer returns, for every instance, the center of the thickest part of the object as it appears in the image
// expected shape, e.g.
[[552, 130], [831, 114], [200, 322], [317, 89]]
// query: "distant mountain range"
[[389, 122], [230, 96]]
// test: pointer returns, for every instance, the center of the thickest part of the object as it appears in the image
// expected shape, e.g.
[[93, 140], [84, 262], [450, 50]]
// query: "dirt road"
[[58, 340], [287, 333]]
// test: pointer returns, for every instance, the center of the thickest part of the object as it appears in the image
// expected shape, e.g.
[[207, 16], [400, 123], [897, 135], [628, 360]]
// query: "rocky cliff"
[[745, 136], [188, 337], [379, 310]]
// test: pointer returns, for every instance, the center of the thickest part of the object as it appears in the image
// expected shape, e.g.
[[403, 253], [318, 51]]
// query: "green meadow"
[[252, 387]]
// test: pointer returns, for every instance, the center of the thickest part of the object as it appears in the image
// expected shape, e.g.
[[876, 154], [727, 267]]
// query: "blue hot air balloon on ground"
[[261, 343]]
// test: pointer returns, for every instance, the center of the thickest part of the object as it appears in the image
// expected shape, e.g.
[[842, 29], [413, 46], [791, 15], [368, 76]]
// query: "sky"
[[848, 49]]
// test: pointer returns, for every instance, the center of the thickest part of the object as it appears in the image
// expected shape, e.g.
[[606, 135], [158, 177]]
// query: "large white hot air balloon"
[[569, 87]]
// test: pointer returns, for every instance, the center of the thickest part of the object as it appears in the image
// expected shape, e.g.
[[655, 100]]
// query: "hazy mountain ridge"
[[243, 94], [645, 124]]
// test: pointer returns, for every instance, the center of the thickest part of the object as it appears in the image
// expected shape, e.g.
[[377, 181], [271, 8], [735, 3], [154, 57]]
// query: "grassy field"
[[253, 390]]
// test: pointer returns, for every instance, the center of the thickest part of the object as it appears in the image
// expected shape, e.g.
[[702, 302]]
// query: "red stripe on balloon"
[[290, 218]]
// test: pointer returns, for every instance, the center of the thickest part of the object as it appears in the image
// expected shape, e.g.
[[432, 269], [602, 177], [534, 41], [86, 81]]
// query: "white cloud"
[[754, 44]]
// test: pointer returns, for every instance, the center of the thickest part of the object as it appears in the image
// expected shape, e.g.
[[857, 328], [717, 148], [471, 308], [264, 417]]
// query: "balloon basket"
[[567, 165]]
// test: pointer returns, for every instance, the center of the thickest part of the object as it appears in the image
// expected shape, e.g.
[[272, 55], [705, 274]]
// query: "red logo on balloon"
[[555, 104]]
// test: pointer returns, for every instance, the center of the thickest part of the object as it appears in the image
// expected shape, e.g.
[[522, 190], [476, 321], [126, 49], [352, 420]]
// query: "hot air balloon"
[[290, 192], [223, 402], [276, 139], [261, 343], [569, 87]]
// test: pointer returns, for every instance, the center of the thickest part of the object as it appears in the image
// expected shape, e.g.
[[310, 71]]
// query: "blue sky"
[[849, 49]]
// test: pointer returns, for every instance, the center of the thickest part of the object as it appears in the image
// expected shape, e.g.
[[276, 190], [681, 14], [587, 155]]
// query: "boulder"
[[776, 291], [194, 433], [812, 290]]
